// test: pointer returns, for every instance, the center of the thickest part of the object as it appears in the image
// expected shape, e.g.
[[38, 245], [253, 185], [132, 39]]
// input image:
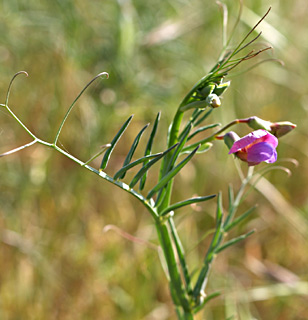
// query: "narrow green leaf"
[[234, 241], [203, 117], [169, 162], [131, 165], [239, 219], [103, 149], [202, 280], [216, 240], [171, 174], [148, 148], [219, 229], [187, 202], [206, 146], [160, 197], [147, 166], [133, 148], [181, 255], [219, 211], [206, 300], [203, 129], [192, 119], [177, 289], [114, 142], [177, 151], [195, 105], [231, 197]]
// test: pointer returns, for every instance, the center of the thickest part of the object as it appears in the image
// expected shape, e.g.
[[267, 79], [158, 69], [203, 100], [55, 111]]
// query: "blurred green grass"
[[55, 260]]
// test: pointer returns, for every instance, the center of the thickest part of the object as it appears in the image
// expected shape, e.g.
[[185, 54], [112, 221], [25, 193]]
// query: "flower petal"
[[261, 151], [273, 158], [271, 139], [249, 139]]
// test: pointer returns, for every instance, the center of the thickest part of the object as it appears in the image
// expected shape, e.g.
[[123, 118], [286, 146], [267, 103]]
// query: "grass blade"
[[171, 174], [114, 142]]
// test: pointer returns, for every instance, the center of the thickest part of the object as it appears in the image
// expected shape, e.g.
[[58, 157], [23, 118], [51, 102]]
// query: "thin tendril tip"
[[11, 83]]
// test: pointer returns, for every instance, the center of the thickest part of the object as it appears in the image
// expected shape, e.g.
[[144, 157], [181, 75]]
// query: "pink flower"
[[256, 147]]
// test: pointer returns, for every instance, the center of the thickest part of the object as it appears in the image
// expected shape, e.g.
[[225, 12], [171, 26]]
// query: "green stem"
[[179, 297], [238, 197], [176, 284], [184, 315], [19, 121], [181, 255], [175, 128], [215, 135], [106, 177]]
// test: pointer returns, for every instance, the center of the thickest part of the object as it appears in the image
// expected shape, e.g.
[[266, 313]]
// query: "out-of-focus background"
[[63, 254]]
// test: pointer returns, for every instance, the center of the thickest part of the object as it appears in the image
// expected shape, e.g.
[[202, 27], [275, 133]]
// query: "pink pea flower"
[[256, 147]]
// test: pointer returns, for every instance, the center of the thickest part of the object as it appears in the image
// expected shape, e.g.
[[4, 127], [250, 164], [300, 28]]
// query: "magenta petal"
[[273, 158], [248, 139], [271, 139], [261, 151]]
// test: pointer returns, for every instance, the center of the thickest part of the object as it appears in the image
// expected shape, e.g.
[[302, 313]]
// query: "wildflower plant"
[[188, 291]]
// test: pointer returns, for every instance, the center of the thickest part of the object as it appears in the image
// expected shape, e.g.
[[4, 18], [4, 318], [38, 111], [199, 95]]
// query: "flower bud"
[[213, 100], [221, 88], [279, 129], [257, 123], [230, 138], [207, 89]]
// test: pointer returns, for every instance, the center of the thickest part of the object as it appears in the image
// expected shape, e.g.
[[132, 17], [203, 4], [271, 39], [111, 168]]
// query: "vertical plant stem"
[[167, 238], [181, 255], [238, 197], [179, 297], [172, 139]]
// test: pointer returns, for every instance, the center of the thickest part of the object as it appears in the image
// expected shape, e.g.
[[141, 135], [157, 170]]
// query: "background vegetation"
[[62, 250]]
